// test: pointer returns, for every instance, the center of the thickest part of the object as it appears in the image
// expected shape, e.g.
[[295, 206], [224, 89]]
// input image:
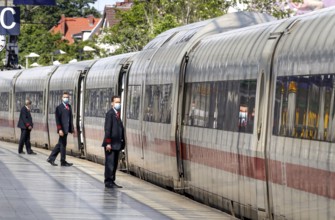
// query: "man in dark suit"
[[113, 142], [64, 122], [26, 124]]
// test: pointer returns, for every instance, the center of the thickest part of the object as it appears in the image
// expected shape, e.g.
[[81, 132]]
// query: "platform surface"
[[30, 188]]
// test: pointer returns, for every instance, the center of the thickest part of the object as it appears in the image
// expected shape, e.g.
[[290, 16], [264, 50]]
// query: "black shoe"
[[109, 185], [32, 153], [66, 164], [22, 152], [52, 162], [115, 185]]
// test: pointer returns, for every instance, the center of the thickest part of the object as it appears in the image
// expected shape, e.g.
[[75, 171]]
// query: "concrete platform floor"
[[30, 188]]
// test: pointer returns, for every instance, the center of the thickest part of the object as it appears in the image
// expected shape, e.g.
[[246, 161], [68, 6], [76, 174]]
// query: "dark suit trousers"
[[111, 162], [25, 139], [60, 147]]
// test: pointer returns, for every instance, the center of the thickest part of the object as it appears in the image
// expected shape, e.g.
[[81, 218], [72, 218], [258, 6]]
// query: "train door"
[[46, 107], [178, 133], [13, 109], [266, 82], [11, 113], [80, 113], [123, 92]]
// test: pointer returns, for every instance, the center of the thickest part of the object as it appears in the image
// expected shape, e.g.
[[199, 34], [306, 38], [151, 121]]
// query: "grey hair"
[[28, 102]]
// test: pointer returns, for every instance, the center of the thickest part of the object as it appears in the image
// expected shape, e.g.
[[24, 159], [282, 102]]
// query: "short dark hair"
[[115, 97], [66, 93]]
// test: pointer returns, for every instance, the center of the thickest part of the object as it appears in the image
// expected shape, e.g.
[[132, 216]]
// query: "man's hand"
[[61, 133], [108, 147], [30, 127]]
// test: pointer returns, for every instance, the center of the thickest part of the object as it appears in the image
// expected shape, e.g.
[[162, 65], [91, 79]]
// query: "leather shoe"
[[66, 164], [109, 185], [117, 186], [32, 152], [112, 185], [22, 152], [52, 162]]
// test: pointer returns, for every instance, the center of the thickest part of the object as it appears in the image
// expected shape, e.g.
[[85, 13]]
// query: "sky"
[[100, 4]]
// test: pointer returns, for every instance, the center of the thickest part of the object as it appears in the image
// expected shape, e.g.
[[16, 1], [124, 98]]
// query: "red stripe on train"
[[303, 178]]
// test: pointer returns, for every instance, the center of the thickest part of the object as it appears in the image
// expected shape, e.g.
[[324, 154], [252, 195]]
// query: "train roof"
[[104, 72], [162, 56]]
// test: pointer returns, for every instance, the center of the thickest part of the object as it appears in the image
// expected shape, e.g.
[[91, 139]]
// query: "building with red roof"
[[73, 29]]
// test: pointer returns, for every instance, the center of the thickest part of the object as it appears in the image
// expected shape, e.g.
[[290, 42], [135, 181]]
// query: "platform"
[[30, 188]]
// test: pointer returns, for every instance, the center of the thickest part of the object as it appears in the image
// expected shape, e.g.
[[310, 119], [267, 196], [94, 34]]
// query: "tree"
[[36, 38], [147, 19], [50, 15]]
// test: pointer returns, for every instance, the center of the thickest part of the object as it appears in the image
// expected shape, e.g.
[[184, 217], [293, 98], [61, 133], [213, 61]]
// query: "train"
[[236, 112]]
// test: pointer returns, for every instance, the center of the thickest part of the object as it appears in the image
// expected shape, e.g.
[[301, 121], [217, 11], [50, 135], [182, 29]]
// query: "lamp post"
[[30, 56], [56, 52], [86, 49]]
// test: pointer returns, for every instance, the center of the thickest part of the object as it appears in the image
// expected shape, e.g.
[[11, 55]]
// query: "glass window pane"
[[98, 102], [157, 103], [304, 107], [133, 102], [4, 100], [36, 101]]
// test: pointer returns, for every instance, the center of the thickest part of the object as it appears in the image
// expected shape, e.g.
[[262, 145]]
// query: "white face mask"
[[117, 106], [66, 100]]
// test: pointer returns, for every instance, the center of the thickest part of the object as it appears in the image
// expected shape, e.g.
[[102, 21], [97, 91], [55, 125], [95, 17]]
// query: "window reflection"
[[133, 102], [304, 107], [157, 103], [98, 102], [55, 98], [36, 101], [4, 100], [226, 105]]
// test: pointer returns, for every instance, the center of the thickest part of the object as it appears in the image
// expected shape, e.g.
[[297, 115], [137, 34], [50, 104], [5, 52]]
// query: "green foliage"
[[50, 15], [37, 39], [147, 19], [36, 21], [143, 22]]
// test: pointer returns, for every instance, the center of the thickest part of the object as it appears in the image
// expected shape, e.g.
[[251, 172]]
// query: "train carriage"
[[33, 84], [160, 102], [7, 86], [221, 114], [301, 147], [70, 78], [103, 80]]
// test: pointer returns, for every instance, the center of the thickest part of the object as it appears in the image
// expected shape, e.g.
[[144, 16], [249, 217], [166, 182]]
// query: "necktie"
[[67, 107], [118, 115]]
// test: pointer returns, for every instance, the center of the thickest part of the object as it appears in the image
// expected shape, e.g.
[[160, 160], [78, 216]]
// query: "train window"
[[247, 105], [55, 98], [157, 103], [4, 100], [133, 102], [36, 101], [98, 102], [305, 106], [227, 105], [198, 99]]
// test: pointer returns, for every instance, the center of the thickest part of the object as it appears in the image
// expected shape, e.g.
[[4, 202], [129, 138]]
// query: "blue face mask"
[[66, 100], [117, 106]]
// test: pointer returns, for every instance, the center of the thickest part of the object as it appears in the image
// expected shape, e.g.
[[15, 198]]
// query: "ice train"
[[237, 112]]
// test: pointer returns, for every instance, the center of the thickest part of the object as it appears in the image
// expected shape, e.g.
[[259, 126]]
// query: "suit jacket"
[[114, 131], [25, 119], [64, 118]]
